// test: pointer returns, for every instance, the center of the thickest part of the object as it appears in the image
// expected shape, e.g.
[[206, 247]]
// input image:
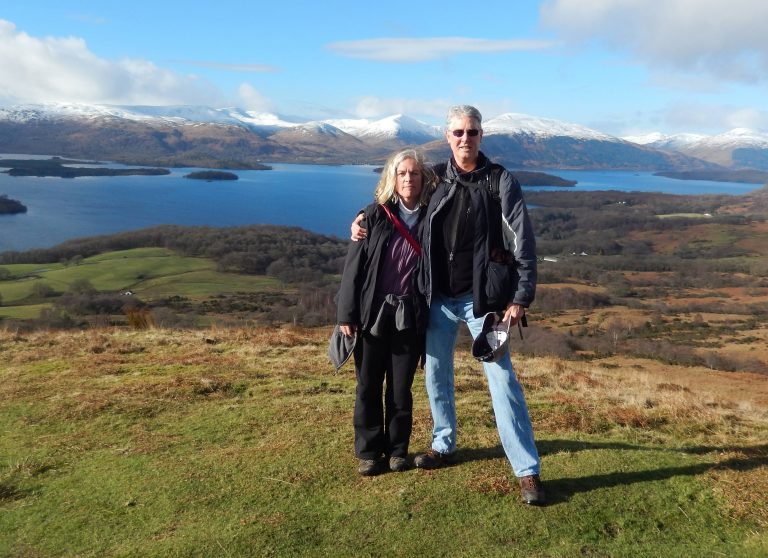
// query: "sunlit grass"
[[25, 312], [204, 283], [149, 272], [238, 442]]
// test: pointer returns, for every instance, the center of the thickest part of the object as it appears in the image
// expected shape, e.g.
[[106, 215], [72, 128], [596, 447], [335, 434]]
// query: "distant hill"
[[232, 138], [746, 176], [739, 148]]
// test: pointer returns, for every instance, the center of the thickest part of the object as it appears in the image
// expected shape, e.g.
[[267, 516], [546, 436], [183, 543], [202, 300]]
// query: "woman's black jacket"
[[356, 300]]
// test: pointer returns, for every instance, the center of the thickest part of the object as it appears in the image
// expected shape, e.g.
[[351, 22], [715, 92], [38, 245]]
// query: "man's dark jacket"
[[494, 283]]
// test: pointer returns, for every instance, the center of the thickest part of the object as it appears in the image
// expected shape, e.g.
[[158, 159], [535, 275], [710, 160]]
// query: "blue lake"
[[323, 199]]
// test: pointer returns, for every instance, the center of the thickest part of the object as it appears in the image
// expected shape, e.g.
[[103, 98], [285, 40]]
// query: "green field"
[[239, 443], [150, 273]]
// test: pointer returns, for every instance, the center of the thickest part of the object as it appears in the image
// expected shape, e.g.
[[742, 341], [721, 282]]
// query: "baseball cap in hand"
[[493, 340]]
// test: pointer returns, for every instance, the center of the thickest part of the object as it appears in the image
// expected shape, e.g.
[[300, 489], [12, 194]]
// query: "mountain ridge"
[[218, 137]]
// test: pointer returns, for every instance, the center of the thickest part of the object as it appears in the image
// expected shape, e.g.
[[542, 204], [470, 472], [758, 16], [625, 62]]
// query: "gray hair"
[[385, 189], [460, 111]]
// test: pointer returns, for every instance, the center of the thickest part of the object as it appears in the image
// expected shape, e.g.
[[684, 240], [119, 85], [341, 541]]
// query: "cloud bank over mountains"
[[725, 40], [53, 69], [431, 48], [697, 66]]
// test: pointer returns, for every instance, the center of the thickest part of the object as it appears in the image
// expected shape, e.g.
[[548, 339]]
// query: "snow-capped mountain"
[[513, 124], [523, 141], [738, 137], [174, 115], [663, 141], [398, 128], [205, 136], [738, 148], [318, 128]]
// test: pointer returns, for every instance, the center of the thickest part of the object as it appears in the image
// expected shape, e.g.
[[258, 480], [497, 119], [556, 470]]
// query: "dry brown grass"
[[620, 393], [744, 491], [169, 365]]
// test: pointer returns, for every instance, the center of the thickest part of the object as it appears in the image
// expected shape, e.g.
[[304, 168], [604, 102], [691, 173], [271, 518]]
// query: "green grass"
[[161, 444], [24, 312], [685, 215], [123, 270], [204, 283], [149, 272]]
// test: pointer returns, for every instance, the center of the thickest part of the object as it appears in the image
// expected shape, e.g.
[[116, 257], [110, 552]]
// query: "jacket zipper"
[[460, 228]]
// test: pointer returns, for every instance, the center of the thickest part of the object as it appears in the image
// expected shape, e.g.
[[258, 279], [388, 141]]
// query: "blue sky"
[[619, 66]]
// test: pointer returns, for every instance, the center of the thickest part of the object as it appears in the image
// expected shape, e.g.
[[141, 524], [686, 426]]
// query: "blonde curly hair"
[[385, 189]]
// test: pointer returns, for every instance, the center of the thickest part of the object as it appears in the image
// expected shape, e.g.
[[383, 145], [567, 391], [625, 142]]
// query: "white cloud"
[[419, 50], [430, 110], [375, 107], [725, 40], [52, 69], [251, 99], [713, 118]]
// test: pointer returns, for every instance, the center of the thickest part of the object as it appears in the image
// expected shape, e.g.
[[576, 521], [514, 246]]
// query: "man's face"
[[465, 147]]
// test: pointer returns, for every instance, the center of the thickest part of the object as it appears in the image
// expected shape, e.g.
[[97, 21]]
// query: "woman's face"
[[408, 183]]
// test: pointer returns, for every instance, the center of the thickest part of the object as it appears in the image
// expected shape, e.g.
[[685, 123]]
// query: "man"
[[473, 264]]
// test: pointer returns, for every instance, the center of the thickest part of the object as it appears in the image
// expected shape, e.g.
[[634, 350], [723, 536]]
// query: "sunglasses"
[[471, 133]]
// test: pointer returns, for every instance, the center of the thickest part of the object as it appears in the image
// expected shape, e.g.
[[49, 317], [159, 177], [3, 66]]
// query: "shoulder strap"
[[494, 181], [402, 229]]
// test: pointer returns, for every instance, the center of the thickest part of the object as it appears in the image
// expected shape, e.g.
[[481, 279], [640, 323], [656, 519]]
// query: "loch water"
[[319, 198]]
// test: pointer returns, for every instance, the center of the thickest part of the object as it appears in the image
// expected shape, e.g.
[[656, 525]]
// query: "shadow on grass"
[[9, 491], [561, 490]]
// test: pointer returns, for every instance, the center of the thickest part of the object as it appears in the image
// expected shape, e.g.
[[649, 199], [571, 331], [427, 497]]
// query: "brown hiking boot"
[[368, 467], [433, 459], [531, 490]]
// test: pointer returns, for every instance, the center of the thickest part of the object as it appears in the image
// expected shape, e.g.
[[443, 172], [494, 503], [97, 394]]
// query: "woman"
[[378, 302]]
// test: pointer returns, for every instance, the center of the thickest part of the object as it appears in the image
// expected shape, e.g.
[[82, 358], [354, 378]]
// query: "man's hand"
[[358, 232], [347, 329], [513, 313]]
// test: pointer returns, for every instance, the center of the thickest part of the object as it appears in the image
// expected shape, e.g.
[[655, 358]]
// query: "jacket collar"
[[483, 166]]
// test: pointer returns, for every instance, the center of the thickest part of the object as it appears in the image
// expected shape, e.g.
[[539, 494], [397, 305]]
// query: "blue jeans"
[[512, 420]]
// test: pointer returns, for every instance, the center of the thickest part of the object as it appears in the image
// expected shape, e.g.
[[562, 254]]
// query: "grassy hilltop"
[[220, 430], [238, 442]]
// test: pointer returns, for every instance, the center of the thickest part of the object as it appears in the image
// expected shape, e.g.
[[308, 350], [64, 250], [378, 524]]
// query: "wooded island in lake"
[[212, 175], [9, 206], [56, 166]]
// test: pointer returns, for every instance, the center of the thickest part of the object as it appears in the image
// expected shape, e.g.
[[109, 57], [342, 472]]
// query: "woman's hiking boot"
[[368, 467], [397, 464]]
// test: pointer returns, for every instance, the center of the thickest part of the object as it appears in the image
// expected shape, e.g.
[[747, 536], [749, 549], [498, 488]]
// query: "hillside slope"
[[239, 442]]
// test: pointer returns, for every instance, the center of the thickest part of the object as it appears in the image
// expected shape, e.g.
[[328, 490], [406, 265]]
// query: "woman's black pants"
[[383, 424]]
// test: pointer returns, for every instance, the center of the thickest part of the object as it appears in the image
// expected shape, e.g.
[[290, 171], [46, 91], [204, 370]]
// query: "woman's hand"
[[347, 329], [358, 232]]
